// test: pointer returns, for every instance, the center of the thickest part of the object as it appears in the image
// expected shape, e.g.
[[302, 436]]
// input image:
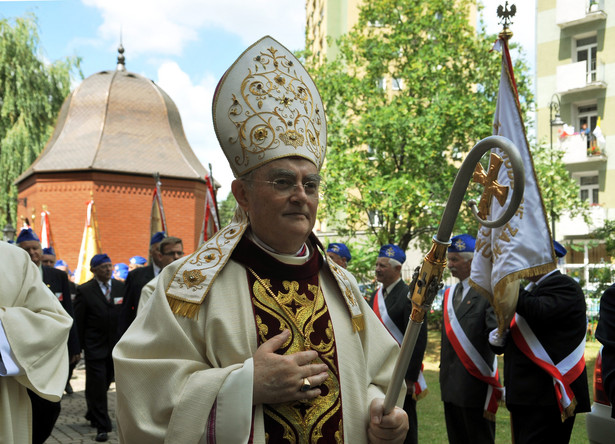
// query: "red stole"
[[471, 359]]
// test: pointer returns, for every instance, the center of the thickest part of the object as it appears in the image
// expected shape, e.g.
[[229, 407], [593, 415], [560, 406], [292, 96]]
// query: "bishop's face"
[[281, 216]]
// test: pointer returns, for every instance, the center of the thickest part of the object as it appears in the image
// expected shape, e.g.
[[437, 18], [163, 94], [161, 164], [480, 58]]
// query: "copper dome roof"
[[118, 121]]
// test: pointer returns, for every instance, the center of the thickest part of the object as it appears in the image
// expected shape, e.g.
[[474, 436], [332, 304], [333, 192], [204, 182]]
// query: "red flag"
[[211, 223], [46, 238]]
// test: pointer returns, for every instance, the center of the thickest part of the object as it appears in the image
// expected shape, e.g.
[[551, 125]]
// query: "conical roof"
[[119, 121]]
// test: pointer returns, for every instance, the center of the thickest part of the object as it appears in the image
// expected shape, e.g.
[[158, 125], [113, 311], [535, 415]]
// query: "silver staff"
[[426, 283]]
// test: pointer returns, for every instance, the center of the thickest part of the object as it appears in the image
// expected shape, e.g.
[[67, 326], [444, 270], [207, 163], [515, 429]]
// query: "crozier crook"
[[426, 282]]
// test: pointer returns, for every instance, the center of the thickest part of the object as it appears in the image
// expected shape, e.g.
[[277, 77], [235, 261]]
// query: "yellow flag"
[[90, 246]]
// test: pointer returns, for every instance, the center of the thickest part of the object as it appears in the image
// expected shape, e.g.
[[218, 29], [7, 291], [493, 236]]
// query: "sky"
[[185, 46]]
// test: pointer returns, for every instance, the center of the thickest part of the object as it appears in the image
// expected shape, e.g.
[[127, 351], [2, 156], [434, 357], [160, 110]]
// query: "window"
[[587, 48], [589, 188], [397, 84], [382, 83]]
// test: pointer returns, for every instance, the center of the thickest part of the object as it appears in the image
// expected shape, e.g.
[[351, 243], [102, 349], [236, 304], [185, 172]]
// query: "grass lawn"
[[432, 428]]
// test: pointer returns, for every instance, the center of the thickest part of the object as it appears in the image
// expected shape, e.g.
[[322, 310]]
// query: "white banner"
[[523, 246]]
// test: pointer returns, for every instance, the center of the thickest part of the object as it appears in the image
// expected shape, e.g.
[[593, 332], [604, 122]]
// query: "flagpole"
[[426, 282]]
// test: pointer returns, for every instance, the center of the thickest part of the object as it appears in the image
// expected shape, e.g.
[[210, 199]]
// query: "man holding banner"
[[544, 364], [546, 382]]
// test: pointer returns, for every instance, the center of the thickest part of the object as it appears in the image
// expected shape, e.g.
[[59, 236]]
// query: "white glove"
[[496, 339]]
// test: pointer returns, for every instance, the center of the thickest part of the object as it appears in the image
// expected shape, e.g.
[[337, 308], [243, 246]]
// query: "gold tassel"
[[358, 323], [184, 308], [569, 411]]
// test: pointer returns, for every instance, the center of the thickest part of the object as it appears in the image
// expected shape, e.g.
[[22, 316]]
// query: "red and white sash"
[[563, 373], [471, 359], [420, 386]]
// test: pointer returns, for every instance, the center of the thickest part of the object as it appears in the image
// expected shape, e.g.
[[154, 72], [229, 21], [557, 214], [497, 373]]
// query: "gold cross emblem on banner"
[[492, 187]]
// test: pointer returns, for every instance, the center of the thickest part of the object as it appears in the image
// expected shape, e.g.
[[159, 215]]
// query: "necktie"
[[107, 292], [457, 296]]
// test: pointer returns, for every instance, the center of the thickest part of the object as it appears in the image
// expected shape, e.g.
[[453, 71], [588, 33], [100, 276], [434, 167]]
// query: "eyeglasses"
[[287, 187], [173, 253]]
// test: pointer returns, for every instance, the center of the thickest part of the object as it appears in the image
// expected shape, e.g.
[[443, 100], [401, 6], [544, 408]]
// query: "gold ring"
[[306, 385]]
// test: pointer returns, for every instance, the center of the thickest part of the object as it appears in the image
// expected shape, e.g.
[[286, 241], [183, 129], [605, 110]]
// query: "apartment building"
[[575, 91]]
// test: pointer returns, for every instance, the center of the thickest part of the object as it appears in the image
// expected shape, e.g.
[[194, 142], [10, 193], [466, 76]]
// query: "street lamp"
[[9, 232], [555, 121]]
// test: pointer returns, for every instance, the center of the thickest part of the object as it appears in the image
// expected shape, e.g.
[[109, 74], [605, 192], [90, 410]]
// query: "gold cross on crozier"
[[492, 187]]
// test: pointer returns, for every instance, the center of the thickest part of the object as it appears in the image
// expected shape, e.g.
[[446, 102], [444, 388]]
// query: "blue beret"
[[120, 270], [392, 252], [340, 249], [49, 251], [560, 251], [61, 263], [138, 260], [27, 235], [99, 259], [462, 243], [157, 237]]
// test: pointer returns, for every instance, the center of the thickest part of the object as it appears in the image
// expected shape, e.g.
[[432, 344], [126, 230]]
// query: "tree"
[[226, 209], [31, 94], [393, 153]]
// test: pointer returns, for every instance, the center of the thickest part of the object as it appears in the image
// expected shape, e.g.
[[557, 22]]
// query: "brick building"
[[114, 132]]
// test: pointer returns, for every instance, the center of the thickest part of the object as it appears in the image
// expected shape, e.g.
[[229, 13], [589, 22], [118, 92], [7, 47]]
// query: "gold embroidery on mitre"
[[273, 108]]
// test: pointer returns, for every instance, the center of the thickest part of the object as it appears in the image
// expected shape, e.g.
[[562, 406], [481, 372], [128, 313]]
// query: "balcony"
[[575, 12], [575, 226], [575, 77], [576, 152]]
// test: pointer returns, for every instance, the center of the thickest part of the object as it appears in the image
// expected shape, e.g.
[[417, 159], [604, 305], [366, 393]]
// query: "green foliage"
[[393, 155], [226, 209], [607, 234], [31, 94]]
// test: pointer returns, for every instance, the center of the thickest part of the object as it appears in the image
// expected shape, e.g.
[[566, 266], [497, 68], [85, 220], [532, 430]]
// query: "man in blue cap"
[[339, 253], [49, 257], [44, 412], [163, 250], [97, 309], [468, 319], [136, 262], [120, 271], [548, 331], [393, 307]]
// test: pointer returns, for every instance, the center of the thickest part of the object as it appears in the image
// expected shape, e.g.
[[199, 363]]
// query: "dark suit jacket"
[[555, 311], [97, 318], [399, 308], [457, 385], [57, 281], [136, 280], [605, 333]]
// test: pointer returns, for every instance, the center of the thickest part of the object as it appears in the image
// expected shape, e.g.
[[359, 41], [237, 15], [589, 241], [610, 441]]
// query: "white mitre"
[[267, 107]]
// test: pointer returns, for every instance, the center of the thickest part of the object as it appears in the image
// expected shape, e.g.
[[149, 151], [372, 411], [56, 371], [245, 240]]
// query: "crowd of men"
[[262, 335]]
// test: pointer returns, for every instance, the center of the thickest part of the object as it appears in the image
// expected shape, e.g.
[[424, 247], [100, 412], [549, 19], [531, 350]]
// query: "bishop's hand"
[[282, 378]]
